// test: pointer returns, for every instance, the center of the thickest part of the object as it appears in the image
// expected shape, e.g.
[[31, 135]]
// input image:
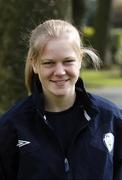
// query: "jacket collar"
[[89, 107]]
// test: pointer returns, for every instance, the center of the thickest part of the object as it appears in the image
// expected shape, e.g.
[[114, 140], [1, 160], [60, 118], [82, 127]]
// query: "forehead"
[[58, 47]]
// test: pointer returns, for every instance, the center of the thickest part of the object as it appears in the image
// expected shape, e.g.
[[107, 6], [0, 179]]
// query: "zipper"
[[67, 169], [76, 134], [87, 118], [65, 160]]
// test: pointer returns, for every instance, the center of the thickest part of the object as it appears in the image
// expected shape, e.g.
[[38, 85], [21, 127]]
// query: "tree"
[[78, 12], [17, 19], [102, 27]]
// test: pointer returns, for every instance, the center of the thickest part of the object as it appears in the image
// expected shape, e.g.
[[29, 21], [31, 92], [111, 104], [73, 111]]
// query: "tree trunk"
[[102, 28], [64, 9], [78, 12]]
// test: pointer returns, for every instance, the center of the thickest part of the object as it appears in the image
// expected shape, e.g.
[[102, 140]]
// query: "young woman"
[[60, 131]]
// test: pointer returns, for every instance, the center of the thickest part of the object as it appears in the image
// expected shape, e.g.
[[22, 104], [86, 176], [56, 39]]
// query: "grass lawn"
[[101, 78]]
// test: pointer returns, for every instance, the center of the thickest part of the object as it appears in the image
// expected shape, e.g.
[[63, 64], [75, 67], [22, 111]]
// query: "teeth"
[[60, 82]]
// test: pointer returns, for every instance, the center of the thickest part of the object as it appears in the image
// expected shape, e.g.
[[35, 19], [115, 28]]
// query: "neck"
[[60, 103]]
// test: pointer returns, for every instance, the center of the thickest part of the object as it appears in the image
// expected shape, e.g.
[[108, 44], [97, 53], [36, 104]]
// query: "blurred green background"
[[100, 24]]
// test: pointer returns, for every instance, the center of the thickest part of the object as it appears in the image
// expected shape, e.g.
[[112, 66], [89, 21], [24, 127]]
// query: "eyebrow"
[[69, 57], [46, 59]]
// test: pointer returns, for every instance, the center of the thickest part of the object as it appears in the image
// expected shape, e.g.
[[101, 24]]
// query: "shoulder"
[[105, 106], [19, 110], [11, 120], [110, 114]]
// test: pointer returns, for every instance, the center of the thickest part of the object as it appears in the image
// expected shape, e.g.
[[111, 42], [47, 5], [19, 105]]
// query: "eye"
[[69, 61], [47, 63]]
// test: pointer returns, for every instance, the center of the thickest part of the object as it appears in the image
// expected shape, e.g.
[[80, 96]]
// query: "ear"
[[80, 64], [34, 66], [81, 60]]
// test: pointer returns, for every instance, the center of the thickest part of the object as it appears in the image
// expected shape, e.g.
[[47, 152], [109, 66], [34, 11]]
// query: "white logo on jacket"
[[109, 141], [22, 143]]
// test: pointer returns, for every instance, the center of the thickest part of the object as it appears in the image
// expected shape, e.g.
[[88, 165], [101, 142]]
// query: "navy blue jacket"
[[30, 150]]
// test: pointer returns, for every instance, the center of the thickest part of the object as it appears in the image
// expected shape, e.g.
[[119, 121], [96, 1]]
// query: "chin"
[[60, 94]]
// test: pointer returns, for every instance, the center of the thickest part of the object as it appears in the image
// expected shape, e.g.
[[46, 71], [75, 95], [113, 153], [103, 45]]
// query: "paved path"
[[113, 94]]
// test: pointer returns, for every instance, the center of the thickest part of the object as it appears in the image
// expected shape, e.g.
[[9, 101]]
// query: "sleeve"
[[118, 174], [118, 152], [2, 177], [8, 153]]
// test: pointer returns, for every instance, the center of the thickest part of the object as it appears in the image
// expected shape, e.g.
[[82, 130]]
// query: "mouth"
[[60, 82]]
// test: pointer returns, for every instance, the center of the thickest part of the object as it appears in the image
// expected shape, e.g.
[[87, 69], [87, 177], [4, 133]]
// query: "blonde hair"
[[39, 37]]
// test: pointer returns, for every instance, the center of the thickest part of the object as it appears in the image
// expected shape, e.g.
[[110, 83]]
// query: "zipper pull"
[[66, 164], [45, 120], [67, 169]]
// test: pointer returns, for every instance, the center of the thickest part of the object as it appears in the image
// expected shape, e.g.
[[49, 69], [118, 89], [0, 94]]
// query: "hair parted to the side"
[[53, 28]]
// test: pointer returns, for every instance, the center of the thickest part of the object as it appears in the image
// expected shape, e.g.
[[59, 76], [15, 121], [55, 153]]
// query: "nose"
[[59, 70]]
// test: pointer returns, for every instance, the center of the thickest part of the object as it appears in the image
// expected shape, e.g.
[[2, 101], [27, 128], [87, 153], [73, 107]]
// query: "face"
[[58, 68]]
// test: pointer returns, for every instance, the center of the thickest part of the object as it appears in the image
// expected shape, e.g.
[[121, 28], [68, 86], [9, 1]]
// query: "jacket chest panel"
[[88, 153], [39, 156]]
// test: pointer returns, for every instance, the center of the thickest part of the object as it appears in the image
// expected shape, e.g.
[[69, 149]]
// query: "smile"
[[60, 82]]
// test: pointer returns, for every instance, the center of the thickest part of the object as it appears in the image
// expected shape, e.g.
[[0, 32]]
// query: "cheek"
[[44, 73], [77, 70], [77, 67], [79, 64], [74, 71]]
